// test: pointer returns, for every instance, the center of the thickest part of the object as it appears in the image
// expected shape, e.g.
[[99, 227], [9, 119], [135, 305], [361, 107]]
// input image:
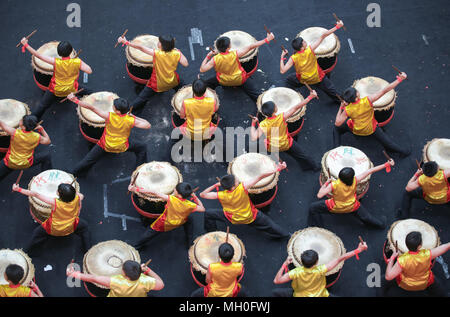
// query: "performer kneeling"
[[13, 275]]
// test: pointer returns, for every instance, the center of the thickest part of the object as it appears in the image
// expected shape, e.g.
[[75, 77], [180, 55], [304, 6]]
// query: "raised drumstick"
[[124, 33], [340, 98], [268, 32], [74, 180], [148, 262], [77, 92], [282, 47], [228, 232], [253, 117], [310, 89], [78, 54], [27, 37], [337, 20], [133, 181], [39, 123], [19, 177], [218, 179], [360, 239], [396, 246], [386, 155]]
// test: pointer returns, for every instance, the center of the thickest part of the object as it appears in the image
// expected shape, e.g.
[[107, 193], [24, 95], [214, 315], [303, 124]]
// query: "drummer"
[[176, 213], [23, 142], [362, 120], [135, 281], [221, 277], [229, 71], [65, 75], [278, 139], [237, 206], [64, 218], [307, 70], [13, 275], [344, 198], [115, 138], [165, 62], [309, 280], [430, 183], [412, 270]]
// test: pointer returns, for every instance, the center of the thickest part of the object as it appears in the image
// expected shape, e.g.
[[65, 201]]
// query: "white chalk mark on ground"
[[119, 180], [195, 38], [107, 214], [350, 43], [425, 39], [444, 265]]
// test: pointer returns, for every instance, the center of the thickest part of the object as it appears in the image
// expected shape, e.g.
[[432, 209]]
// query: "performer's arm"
[[26, 192], [440, 250], [136, 189], [47, 59], [331, 265], [183, 60], [392, 271], [206, 194], [255, 133], [159, 285], [141, 123], [208, 277], [243, 51], [142, 48], [200, 207], [45, 139], [374, 97], [413, 182], [372, 170], [7, 128], [99, 112], [183, 111], [285, 67], [35, 291], [447, 173], [325, 34], [85, 68], [282, 277], [251, 183], [325, 189], [208, 62], [289, 113], [102, 280], [341, 115]]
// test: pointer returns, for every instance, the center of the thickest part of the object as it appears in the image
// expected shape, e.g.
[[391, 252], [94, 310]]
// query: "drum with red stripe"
[[139, 64], [11, 112]]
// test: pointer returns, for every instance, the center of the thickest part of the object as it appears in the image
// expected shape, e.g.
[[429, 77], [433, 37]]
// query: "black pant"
[[44, 159], [326, 85], [407, 198], [150, 234], [306, 161], [318, 208], [391, 289], [40, 235], [145, 95], [379, 134], [261, 222], [199, 292], [139, 148], [248, 86]]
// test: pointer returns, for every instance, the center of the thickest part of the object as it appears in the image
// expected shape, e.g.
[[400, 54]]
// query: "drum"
[[328, 246], [346, 156], [400, 229], [17, 257], [161, 177], [438, 150], [285, 99], [250, 165], [327, 51], [91, 125], [140, 65], [240, 39], [106, 259], [383, 107], [11, 112], [205, 250], [43, 72], [46, 183]]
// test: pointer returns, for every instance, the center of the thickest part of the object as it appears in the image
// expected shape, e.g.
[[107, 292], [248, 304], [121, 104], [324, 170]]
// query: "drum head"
[[327, 245], [186, 93], [161, 177], [371, 85], [347, 156], [239, 40], [12, 111], [400, 229], [51, 50], [102, 100], [438, 150], [284, 98], [149, 41], [250, 165], [312, 34], [205, 249], [20, 258]]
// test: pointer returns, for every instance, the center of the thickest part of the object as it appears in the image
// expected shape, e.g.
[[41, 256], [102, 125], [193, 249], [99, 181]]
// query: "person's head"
[[228, 181], [184, 190], [121, 105], [14, 273], [226, 252], [350, 95], [199, 87], [430, 168], [309, 258], [223, 43], [298, 44], [268, 108], [346, 175], [413, 241], [28, 122], [132, 270], [64, 49], [66, 192], [167, 42]]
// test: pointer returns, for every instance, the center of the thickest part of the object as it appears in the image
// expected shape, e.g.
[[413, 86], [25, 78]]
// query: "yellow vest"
[[116, 133], [21, 149], [175, 214], [120, 286], [164, 76], [229, 70], [277, 135], [199, 111], [344, 197], [64, 218], [309, 282], [237, 206], [15, 291], [224, 279], [362, 119], [306, 67], [416, 270], [65, 76], [436, 189]]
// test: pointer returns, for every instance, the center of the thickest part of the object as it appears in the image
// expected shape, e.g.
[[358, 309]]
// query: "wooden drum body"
[[11, 112], [140, 65], [17, 257]]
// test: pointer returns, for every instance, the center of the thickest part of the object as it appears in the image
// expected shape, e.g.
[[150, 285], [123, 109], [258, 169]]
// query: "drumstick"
[[18, 178], [131, 109], [27, 37], [73, 181], [133, 181], [360, 239], [148, 262], [268, 32], [195, 189], [310, 89], [124, 33], [282, 47], [253, 117], [337, 20], [74, 94], [396, 246], [386, 155], [39, 123], [397, 70], [228, 231], [418, 164], [218, 179], [78, 54], [329, 174], [340, 98]]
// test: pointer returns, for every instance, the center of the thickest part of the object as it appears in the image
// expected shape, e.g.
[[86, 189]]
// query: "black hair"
[[199, 87], [268, 108], [413, 240], [66, 192], [167, 42], [228, 181], [132, 270], [121, 105], [30, 122], [64, 49], [349, 95], [226, 252], [430, 168], [14, 273], [223, 43], [297, 43], [184, 189], [309, 258], [346, 175]]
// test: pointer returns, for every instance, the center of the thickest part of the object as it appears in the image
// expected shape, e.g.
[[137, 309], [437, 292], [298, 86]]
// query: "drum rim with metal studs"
[[429, 149], [386, 102], [411, 225], [28, 271], [296, 116], [250, 54], [176, 106], [136, 57], [43, 67], [17, 119], [90, 117], [322, 50]]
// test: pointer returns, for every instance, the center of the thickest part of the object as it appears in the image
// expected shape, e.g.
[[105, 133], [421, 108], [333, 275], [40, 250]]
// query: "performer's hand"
[[281, 166], [24, 41], [212, 52], [122, 39], [402, 75], [288, 261], [32, 284], [283, 53], [362, 247], [393, 256], [340, 24], [254, 120], [313, 94], [270, 36], [391, 162], [131, 188], [70, 270], [72, 97], [144, 267], [16, 187], [419, 172]]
